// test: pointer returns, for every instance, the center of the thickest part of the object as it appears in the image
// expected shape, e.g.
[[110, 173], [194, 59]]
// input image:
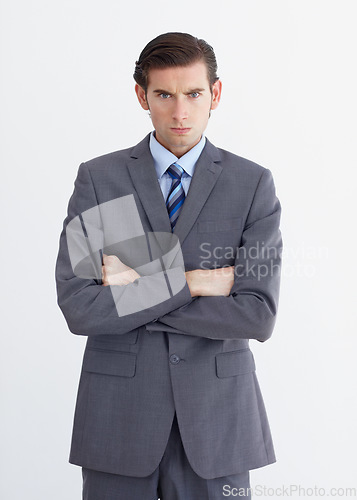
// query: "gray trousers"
[[174, 479]]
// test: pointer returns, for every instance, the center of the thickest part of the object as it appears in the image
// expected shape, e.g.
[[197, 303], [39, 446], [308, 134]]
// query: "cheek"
[[202, 117], [156, 116], [161, 114], [203, 110]]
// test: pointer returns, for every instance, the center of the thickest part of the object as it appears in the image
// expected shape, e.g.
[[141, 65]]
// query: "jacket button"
[[174, 359]]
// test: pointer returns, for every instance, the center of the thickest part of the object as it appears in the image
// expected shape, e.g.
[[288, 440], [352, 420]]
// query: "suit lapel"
[[143, 174]]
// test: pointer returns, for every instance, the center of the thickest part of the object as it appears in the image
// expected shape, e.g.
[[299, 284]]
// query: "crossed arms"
[[225, 303], [201, 282]]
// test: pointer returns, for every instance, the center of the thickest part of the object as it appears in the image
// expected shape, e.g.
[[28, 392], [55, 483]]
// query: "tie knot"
[[175, 171]]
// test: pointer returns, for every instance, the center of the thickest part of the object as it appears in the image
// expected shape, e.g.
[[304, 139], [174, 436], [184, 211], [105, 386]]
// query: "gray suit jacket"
[[183, 354]]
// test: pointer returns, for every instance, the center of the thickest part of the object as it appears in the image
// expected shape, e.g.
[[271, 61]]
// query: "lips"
[[180, 130]]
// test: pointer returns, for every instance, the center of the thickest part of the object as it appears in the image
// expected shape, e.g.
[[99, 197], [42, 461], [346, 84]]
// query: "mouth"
[[177, 130]]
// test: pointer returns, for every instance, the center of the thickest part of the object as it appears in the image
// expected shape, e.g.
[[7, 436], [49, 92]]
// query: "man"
[[169, 262]]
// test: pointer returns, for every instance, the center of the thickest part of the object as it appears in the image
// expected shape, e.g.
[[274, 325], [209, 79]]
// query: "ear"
[[140, 92], [216, 94]]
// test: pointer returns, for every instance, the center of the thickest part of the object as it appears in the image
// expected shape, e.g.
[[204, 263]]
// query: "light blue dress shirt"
[[163, 158]]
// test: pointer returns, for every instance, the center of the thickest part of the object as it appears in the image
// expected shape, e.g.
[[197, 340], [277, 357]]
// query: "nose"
[[180, 111]]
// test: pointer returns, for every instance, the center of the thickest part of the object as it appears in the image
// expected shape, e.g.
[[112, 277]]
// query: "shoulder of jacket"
[[108, 160], [236, 161]]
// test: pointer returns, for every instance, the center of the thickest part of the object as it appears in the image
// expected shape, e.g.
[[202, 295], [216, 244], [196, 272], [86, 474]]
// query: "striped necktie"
[[176, 195]]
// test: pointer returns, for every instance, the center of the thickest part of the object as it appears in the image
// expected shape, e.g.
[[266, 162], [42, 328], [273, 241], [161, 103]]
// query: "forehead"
[[192, 76]]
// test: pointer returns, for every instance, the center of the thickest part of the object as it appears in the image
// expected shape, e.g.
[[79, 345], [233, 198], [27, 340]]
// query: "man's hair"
[[174, 49]]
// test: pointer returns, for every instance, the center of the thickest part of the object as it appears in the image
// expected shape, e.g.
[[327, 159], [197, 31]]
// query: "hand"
[[115, 272], [210, 282]]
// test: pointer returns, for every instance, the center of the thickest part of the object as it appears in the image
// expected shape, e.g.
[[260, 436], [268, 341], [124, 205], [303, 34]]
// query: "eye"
[[195, 95], [164, 96]]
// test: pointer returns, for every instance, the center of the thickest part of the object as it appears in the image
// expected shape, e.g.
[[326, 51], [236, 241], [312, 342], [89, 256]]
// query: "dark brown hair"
[[174, 49]]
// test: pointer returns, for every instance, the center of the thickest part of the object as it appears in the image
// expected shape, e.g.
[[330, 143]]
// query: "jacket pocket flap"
[[120, 364], [113, 342], [229, 364]]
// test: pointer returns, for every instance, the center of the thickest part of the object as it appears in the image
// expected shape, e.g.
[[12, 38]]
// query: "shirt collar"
[[163, 158]]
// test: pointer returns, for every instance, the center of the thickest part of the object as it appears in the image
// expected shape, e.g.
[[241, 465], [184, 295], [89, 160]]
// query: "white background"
[[289, 103]]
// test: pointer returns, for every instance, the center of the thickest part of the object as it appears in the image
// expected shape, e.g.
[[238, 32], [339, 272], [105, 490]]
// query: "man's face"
[[179, 100]]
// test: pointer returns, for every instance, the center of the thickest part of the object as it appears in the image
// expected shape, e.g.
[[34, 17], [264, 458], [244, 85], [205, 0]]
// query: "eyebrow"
[[162, 91]]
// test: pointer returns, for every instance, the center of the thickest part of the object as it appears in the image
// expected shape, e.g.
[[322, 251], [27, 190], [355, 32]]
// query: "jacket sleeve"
[[92, 309], [251, 307]]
